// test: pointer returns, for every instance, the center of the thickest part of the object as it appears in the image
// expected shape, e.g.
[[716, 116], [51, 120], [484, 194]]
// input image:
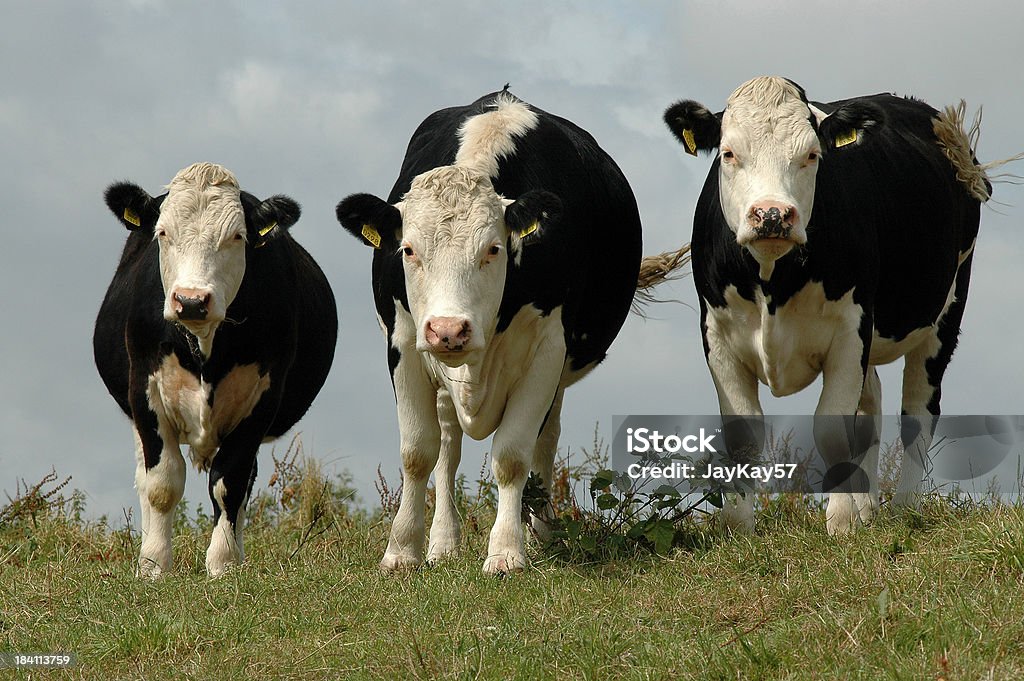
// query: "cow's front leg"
[[232, 473], [445, 532], [836, 432], [736, 385], [163, 483], [160, 480], [420, 436], [512, 454]]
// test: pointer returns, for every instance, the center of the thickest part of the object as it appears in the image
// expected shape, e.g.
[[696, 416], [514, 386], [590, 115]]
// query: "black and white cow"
[[830, 238], [506, 259], [217, 331]]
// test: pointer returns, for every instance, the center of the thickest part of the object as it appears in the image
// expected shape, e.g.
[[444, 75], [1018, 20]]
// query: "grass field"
[[939, 595]]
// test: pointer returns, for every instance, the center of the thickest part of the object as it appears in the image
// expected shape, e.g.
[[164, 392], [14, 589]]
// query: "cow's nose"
[[191, 305], [771, 219], [447, 334]]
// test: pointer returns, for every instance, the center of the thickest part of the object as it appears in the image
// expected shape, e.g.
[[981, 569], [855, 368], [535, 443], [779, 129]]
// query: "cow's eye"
[[408, 251], [239, 237], [812, 157], [161, 233], [494, 250], [728, 155]]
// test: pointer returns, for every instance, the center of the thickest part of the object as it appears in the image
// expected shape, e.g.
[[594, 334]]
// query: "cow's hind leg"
[[231, 477], [445, 530], [160, 480], [923, 370], [869, 430], [544, 464]]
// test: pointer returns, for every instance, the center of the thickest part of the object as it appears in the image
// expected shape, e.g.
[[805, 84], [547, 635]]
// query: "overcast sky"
[[317, 100]]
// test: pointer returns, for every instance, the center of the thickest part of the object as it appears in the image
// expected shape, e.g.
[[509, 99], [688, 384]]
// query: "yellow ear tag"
[[529, 230], [690, 143], [847, 138], [371, 235], [132, 217], [266, 230]]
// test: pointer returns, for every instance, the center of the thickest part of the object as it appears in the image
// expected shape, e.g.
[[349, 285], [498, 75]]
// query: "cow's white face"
[[453, 250], [769, 159], [202, 236]]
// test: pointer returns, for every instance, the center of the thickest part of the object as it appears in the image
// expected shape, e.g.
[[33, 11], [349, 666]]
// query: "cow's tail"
[[655, 269], [959, 143]]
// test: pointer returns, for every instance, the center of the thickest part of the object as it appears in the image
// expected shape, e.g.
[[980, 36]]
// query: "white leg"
[[140, 483], [842, 385], [159, 494], [445, 531], [420, 444], [737, 396], [512, 453]]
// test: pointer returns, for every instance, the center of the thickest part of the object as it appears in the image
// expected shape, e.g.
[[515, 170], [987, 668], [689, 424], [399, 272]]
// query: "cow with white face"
[[212, 307], [830, 238], [505, 262]]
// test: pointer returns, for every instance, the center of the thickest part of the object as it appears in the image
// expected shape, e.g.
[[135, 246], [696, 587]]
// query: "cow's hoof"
[[504, 564], [151, 569], [154, 562], [868, 506], [218, 569], [842, 515], [399, 562], [442, 550]]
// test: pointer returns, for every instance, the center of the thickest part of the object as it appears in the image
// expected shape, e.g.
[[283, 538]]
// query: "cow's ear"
[[135, 208], [372, 220], [268, 219], [850, 124], [694, 126], [529, 215]]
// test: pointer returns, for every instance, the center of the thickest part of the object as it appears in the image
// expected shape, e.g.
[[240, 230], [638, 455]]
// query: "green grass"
[[939, 595]]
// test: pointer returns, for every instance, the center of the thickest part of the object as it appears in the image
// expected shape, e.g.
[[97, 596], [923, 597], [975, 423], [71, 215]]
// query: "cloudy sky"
[[318, 99]]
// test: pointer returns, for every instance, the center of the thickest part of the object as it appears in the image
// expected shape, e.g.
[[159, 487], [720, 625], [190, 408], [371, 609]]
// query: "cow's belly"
[[481, 392], [785, 350], [183, 406]]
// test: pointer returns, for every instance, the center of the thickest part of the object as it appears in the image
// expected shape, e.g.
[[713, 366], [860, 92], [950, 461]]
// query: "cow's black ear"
[[372, 220], [850, 124], [530, 214], [133, 206], [694, 126], [265, 220]]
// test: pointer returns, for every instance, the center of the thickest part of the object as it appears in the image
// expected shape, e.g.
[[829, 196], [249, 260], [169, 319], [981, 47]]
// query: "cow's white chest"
[[183, 405], [480, 391], [785, 350]]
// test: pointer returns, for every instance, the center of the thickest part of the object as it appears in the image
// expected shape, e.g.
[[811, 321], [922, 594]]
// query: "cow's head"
[[206, 228], [455, 236], [771, 141]]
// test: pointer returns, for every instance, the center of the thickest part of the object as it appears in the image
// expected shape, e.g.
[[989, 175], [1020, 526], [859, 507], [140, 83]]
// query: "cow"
[[828, 239], [217, 331], [505, 261]]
